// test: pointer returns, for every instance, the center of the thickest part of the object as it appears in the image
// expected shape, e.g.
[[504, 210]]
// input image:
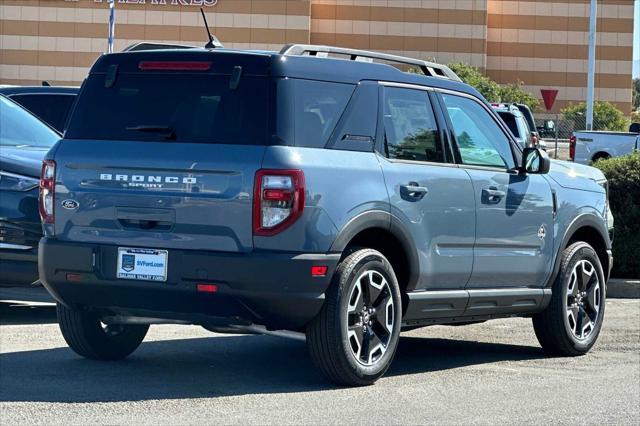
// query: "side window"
[[410, 126], [317, 107], [480, 140]]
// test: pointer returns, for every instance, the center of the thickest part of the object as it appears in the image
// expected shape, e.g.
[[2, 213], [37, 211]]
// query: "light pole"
[[591, 63], [112, 24]]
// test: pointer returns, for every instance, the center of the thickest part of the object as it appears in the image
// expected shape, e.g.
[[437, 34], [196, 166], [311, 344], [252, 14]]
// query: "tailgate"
[[156, 194]]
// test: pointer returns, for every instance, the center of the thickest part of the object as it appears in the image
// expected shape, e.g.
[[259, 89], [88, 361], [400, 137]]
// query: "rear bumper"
[[272, 289]]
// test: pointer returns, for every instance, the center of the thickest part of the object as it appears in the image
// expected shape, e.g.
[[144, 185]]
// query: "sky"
[[636, 40]]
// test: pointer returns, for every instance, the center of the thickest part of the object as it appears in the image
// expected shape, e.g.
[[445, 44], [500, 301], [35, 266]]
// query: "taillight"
[[47, 190], [174, 66], [572, 147], [278, 200]]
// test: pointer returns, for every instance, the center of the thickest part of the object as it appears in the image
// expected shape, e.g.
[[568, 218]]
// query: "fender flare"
[[585, 219], [382, 220]]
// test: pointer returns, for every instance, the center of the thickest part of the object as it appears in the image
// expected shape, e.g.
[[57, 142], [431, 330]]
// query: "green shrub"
[[623, 174], [605, 116]]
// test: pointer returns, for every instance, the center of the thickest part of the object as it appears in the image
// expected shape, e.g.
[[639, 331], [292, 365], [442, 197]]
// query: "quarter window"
[[410, 126], [480, 140]]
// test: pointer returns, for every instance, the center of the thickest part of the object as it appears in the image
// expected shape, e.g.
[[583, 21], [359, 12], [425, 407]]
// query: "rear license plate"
[[142, 264]]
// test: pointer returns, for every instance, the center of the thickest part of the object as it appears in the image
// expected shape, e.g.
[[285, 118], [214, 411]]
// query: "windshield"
[[172, 107], [19, 128]]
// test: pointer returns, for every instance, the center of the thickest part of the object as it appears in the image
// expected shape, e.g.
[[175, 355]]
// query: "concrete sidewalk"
[[621, 288]]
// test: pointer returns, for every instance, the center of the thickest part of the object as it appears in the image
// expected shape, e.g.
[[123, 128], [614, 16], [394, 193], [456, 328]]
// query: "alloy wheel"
[[370, 317], [584, 296]]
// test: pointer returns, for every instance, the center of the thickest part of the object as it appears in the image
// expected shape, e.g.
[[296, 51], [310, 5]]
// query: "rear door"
[[162, 153], [431, 197], [514, 212]]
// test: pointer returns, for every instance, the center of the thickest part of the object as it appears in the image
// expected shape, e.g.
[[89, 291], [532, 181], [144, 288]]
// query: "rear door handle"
[[492, 195], [413, 190]]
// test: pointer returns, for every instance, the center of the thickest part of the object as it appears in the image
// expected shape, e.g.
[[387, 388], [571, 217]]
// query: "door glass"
[[410, 126], [480, 140]]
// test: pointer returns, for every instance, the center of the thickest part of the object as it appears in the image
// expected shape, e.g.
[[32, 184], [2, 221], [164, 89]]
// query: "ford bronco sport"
[[316, 190]]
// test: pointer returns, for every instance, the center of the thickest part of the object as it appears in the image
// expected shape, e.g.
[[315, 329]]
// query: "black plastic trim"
[[586, 219]]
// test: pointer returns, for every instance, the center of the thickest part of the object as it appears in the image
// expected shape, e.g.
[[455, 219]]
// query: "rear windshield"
[[510, 120], [172, 107], [20, 128], [53, 109]]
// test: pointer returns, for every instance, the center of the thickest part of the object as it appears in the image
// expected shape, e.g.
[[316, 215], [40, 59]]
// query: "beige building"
[[540, 42]]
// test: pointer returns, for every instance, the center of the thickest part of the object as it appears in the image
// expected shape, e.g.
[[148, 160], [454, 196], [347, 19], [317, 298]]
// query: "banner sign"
[[168, 2]]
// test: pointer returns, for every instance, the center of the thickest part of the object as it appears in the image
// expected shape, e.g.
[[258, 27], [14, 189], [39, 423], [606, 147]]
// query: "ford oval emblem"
[[70, 204]]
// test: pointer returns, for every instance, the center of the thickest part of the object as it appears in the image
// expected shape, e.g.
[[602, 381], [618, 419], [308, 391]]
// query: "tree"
[[473, 77], [605, 116], [492, 91], [513, 93], [635, 87]]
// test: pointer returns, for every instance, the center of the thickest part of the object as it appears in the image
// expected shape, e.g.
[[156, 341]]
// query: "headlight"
[[13, 182]]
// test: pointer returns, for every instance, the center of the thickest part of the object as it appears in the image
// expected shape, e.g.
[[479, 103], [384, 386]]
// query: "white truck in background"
[[586, 147]]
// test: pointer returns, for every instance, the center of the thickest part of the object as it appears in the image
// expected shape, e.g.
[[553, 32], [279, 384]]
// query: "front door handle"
[[413, 190], [492, 195]]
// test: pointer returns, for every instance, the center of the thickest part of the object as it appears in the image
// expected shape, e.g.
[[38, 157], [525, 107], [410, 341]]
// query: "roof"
[[276, 64]]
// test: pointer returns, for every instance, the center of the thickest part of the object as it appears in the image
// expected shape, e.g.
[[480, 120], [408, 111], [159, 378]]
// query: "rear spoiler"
[[135, 47]]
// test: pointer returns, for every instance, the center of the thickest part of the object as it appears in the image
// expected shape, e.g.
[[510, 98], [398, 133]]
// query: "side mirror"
[[535, 161]]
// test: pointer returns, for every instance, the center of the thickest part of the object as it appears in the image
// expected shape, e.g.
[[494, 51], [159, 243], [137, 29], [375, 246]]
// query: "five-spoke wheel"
[[583, 299], [570, 325], [354, 337], [370, 317]]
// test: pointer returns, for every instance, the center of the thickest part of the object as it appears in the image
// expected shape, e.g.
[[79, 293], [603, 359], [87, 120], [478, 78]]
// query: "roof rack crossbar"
[[428, 68]]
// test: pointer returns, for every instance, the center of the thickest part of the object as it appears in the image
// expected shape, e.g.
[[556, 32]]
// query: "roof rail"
[[428, 68], [155, 46]]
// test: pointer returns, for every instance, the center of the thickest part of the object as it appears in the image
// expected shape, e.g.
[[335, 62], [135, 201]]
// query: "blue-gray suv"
[[317, 192]]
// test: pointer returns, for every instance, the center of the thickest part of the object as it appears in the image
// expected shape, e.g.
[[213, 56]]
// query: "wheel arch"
[[379, 230], [589, 228], [600, 155]]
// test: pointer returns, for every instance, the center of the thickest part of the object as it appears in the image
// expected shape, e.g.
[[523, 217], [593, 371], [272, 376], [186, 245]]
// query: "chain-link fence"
[[556, 129]]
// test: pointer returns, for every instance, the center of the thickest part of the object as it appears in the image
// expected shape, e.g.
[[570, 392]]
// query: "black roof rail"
[[431, 69], [155, 46]]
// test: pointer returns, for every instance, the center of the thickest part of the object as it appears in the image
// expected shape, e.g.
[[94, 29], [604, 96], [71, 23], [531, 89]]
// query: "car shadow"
[[16, 313], [214, 367]]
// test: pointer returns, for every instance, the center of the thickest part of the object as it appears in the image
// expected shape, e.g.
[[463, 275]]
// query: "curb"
[[623, 288]]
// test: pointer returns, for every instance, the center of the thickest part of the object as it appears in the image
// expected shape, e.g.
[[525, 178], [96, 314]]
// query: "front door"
[[514, 212], [431, 197]]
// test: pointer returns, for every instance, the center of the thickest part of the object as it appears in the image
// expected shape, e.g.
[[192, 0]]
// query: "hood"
[[25, 161], [576, 176]]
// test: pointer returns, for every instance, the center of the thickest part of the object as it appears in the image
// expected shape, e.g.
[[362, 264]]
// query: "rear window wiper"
[[165, 131]]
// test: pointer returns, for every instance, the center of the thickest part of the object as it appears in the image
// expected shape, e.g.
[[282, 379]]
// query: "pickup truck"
[[587, 147]]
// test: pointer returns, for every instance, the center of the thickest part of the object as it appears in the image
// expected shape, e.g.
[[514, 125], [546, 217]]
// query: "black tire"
[[600, 156], [332, 347], [556, 327], [86, 335]]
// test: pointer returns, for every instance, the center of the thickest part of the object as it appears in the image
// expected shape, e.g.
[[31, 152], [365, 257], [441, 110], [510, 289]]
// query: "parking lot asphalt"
[[491, 373]]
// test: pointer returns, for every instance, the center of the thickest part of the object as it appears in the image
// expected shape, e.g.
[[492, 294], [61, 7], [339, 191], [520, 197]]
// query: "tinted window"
[[356, 130], [480, 140], [510, 121], [198, 108], [410, 126], [19, 128], [51, 108], [315, 106]]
